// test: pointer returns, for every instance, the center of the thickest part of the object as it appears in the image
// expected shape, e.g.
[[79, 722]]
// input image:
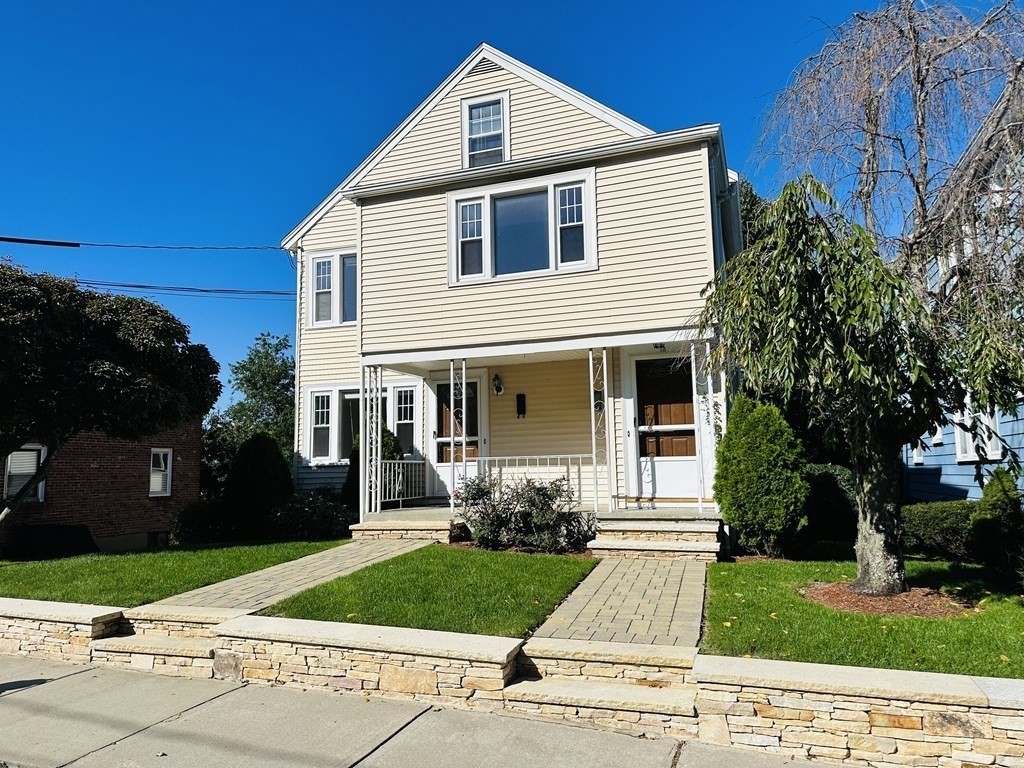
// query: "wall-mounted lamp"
[[660, 347], [497, 385]]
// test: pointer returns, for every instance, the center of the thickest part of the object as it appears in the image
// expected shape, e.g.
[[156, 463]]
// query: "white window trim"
[[332, 444], [337, 288], [485, 195], [41, 488], [337, 392], [506, 123], [966, 450], [170, 472]]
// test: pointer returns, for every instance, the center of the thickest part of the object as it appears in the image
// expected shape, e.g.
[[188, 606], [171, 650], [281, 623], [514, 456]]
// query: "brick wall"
[[104, 483]]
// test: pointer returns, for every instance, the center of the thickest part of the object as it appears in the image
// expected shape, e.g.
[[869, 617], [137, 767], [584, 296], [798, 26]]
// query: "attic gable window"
[[523, 229], [485, 130]]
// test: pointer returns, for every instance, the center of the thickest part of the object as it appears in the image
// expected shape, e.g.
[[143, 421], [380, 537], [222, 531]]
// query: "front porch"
[[629, 429]]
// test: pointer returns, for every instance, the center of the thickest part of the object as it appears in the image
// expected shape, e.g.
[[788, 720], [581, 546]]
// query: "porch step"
[[675, 514], [617, 697], [659, 526], [627, 547], [429, 530]]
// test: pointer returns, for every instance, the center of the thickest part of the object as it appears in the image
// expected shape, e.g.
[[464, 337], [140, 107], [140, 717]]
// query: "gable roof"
[[484, 56]]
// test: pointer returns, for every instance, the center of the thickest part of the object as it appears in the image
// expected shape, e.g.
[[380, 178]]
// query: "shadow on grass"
[[968, 583]]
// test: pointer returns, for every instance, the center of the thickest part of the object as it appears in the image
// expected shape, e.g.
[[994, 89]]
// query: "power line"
[[194, 292], [144, 246]]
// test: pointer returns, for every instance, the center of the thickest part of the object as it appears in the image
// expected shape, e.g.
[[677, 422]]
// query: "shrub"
[[830, 510], [939, 529], [206, 521], [759, 482], [259, 480], [997, 527], [524, 514], [390, 450], [311, 515]]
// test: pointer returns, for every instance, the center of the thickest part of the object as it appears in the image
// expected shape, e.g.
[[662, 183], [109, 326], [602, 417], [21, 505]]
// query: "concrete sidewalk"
[[54, 714]]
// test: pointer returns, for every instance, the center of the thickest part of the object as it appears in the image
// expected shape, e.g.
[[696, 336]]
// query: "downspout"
[[297, 437]]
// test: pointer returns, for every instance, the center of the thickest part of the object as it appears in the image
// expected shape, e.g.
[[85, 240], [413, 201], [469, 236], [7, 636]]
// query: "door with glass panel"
[[467, 439], [665, 434]]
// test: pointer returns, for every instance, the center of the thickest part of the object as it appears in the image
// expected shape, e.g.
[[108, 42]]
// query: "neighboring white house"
[[540, 256]]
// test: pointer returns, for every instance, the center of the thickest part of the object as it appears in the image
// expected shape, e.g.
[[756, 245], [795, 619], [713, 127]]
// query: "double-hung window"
[[523, 228], [484, 130], [21, 466], [333, 289], [405, 418], [322, 426], [160, 463], [966, 448]]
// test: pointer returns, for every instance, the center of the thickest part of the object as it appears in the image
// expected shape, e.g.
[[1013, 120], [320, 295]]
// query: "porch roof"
[[420, 362]]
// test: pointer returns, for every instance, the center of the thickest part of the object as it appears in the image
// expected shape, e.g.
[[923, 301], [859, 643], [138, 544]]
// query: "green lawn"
[[446, 588], [133, 579], [754, 608]]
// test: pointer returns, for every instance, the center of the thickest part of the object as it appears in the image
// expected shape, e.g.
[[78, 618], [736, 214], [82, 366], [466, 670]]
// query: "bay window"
[[523, 228]]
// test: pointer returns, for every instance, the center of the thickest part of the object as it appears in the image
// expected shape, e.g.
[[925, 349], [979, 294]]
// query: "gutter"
[[711, 132]]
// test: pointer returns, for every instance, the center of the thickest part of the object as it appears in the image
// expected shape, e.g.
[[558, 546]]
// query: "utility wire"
[[193, 292], [74, 244]]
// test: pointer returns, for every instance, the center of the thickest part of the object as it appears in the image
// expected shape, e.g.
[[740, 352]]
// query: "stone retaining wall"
[[633, 554], [161, 664], [176, 621], [439, 667], [400, 529], [861, 716], [58, 631], [655, 666]]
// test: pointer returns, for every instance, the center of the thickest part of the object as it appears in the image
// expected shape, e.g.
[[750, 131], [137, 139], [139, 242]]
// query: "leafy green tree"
[[813, 312], [76, 360], [265, 378]]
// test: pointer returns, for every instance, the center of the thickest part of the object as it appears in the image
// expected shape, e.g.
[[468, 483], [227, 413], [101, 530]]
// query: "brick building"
[[124, 492]]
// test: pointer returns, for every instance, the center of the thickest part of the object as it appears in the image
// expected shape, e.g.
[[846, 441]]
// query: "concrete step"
[[619, 697], [157, 645], [658, 666], [626, 547]]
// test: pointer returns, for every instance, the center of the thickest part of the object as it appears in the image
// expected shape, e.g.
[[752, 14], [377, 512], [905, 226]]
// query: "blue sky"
[[224, 123]]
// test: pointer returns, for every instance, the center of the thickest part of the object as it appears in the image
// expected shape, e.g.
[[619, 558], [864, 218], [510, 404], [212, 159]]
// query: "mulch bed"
[[918, 602]]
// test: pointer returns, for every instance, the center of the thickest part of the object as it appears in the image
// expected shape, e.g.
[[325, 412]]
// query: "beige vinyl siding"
[[339, 228], [653, 257], [557, 410], [540, 123]]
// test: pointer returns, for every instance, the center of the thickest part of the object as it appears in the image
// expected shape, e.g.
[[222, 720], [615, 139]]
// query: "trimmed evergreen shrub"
[[206, 521], [525, 514], [759, 481], [259, 480], [997, 527], [939, 529]]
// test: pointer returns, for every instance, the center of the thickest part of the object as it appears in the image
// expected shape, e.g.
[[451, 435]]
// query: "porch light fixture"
[[659, 347], [497, 385]]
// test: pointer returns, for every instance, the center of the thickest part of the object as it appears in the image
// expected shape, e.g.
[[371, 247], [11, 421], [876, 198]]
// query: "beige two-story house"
[[510, 282]]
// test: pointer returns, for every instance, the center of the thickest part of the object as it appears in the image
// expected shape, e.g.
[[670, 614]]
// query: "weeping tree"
[[887, 309], [813, 312], [76, 360]]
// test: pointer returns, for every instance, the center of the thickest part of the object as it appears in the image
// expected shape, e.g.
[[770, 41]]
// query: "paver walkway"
[[258, 590], [644, 600]]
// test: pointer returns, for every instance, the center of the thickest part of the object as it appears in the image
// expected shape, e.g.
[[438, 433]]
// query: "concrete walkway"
[[255, 591], [646, 600], [54, 714]]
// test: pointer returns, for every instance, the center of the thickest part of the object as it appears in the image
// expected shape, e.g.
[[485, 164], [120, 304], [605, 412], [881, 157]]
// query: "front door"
[[664, 435], [469, 434]]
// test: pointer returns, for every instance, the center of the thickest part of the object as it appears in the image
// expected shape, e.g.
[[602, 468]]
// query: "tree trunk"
[[879, 551]]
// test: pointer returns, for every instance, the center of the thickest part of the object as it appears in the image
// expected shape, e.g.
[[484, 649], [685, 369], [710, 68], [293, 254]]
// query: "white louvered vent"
[[484, 66]]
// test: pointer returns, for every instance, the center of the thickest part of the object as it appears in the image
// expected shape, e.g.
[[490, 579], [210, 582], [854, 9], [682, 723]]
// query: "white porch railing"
[[403, 479], [568, 467]]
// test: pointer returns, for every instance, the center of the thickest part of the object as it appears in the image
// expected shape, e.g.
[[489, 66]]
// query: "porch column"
[[362, 431], [598, 394], [609, 427], [370, 438], [697, 417], [451, 435]]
